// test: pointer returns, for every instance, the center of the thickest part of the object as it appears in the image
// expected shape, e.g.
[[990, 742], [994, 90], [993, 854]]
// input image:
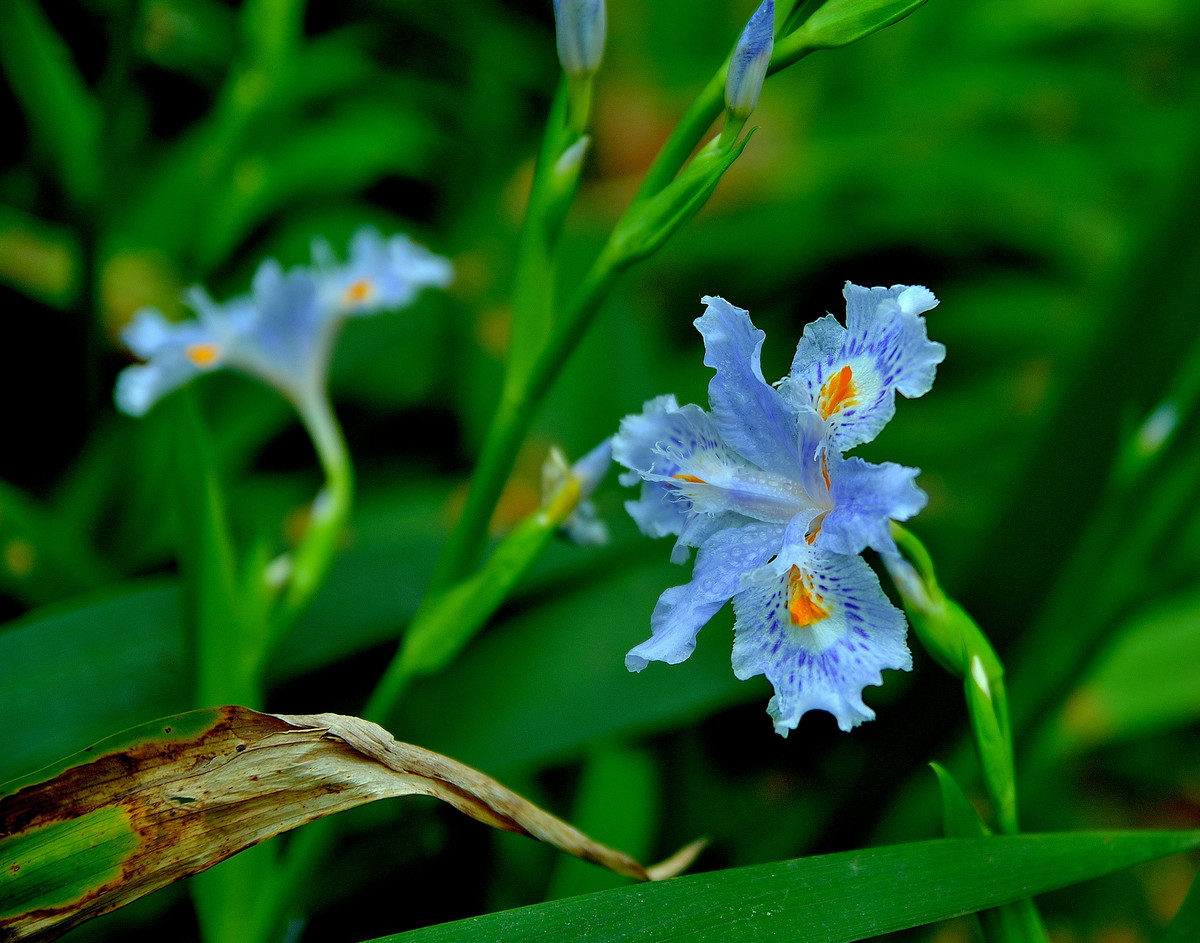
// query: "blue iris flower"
[[760, 487], [283, 331]]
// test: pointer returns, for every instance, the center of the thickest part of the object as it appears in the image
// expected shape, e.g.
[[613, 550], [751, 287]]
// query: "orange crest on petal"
[[838, 392], [804, 607], [691, 478], [203, 355], [359, 290]]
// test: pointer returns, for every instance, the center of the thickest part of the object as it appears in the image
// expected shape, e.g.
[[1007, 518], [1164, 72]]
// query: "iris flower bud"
[[581, 26], [748, 67]]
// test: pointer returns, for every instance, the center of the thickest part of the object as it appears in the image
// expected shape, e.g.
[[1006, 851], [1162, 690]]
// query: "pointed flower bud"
[[748, 67], [581, 25]]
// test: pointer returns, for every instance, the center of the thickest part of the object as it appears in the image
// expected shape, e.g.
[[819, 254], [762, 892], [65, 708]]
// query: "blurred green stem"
[[270, 33], [311, 560], [512, 420]]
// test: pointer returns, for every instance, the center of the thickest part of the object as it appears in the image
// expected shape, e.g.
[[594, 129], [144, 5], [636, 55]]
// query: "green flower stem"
[[270, 33], [707, 108], [225, 643], [512, 420], [555, 180], [959, 645], [310, 561], [579, 102]]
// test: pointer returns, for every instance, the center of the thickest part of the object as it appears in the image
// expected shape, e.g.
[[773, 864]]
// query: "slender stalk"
[[512, 420], [312, 558], [513, 417]]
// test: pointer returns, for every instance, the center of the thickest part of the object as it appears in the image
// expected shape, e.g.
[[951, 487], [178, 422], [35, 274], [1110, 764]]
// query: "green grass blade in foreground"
[[836, 898]]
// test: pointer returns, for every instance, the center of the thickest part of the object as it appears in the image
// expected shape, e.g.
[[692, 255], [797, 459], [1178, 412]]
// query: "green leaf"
[[1018, 922], [547, 683], [841, 22], [1144, 683], [62, 113], [959, 818], [837, 898], [41, 559], [224, 644], [617, 801], [116, 657], [650, 222], [111, 659]]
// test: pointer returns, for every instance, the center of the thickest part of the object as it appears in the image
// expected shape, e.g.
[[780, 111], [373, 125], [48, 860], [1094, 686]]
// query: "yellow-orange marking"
[[691, 478], [358, 292], [804, 607], [838, 392], [203, 354]]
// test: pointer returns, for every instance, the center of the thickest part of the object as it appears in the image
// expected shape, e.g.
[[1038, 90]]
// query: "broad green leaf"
[[617, 798], [543, 685], [1018, 922], [69, 674], [839, 898], [116, 657], [171, 798], [1143, 684], [41, 559]]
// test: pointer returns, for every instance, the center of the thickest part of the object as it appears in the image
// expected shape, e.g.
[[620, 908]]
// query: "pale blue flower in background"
[[748, 66], [760, 487], [282, 332]]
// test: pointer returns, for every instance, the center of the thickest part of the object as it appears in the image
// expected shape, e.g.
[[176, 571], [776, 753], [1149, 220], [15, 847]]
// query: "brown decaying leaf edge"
[[195, 801]]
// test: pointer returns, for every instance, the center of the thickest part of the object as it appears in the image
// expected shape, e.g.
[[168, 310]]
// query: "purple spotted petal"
[[850, 376], [865, 497], [854, 633], [683, 610], [749, 413]]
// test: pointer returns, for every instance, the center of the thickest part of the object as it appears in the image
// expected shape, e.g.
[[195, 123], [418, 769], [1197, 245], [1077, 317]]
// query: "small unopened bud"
[[566, 489], [748, 67], [581, 25]]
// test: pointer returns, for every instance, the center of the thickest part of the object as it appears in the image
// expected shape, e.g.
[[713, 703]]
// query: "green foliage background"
[[1033, 164]]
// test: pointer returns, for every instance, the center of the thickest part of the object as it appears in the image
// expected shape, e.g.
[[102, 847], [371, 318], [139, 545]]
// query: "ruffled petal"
[[865, 498], [681, 448], [683, 610], [850, 376], [820, 629], [749, 413]]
